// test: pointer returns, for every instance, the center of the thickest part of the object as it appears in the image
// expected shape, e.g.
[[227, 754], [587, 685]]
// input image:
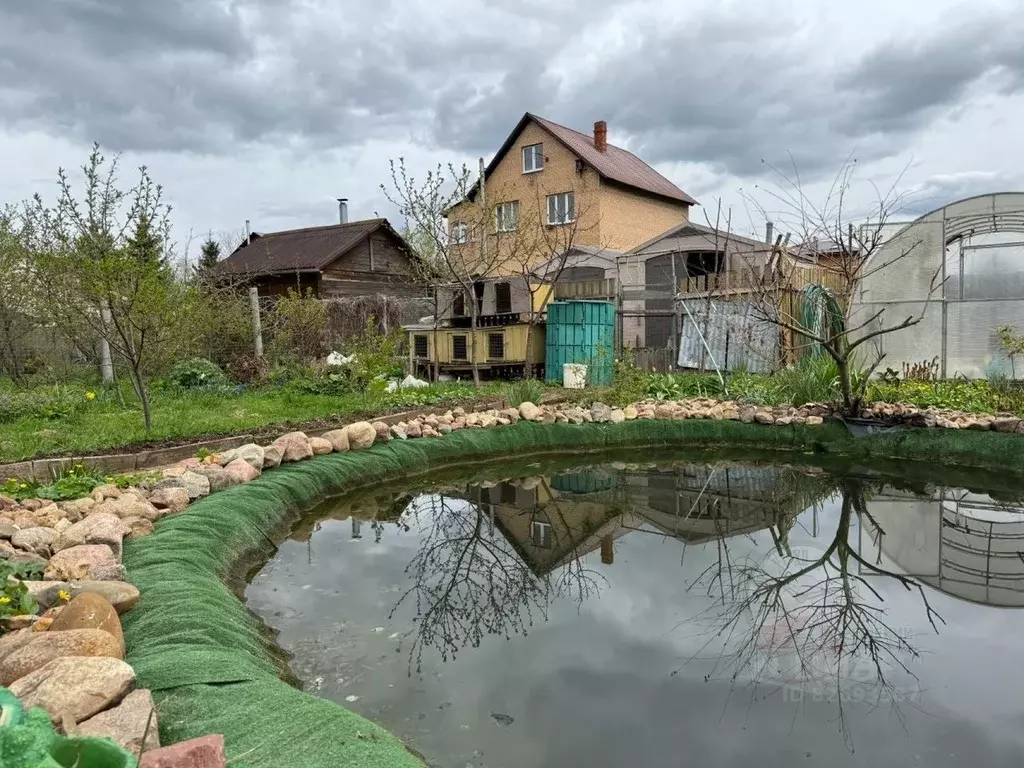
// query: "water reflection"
[[788, 576]]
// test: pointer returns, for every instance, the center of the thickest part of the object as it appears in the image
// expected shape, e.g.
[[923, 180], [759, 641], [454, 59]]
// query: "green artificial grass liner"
[[212, 664]]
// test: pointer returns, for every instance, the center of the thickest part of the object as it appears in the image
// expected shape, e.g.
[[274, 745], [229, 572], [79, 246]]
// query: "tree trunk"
[[528, 367], [139, 384], [850, 400], [472, 340]]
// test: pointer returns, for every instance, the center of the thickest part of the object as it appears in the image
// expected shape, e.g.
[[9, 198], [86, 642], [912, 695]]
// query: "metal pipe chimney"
[[248, 233], [343, 210], [769, 232]]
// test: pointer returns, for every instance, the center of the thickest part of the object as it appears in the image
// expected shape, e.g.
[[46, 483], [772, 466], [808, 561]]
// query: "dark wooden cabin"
[[359, 258]]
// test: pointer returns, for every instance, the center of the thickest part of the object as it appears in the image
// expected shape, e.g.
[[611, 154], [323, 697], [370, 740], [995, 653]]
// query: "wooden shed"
[[358, 258]]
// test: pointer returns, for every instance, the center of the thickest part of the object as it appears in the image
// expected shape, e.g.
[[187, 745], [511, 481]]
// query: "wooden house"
[[358, 258]]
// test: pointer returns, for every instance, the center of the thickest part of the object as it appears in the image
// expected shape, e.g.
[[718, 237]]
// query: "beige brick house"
[[549, 186]]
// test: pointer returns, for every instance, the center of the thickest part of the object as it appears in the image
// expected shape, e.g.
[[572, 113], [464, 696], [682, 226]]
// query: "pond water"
[[688, 611]]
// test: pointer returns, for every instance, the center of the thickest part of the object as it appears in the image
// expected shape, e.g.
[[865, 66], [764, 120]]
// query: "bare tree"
[[847, 254], [813, 619], [16, 298]]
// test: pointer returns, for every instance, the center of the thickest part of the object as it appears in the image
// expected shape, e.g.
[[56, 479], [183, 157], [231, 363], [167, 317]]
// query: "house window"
[[541, 534], [495, 346], [460, 233], [502, 297], [506, 216], [561, 208], [459, 349], [420, 348], [459, 304], [533, 158]]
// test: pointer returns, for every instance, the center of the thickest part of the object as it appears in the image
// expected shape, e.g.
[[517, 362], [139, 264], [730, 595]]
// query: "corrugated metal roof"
[[309, 249]]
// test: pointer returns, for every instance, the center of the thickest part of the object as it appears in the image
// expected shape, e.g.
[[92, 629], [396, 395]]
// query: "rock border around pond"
[[79, 543]]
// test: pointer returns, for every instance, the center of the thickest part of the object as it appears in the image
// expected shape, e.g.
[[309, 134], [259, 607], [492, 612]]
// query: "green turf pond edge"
[[212, 664]]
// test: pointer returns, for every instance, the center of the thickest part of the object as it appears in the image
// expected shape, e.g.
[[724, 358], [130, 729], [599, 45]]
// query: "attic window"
[[533, 158], [459, 304]]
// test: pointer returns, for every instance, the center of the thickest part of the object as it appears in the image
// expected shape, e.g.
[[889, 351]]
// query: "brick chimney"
[[601, 136]]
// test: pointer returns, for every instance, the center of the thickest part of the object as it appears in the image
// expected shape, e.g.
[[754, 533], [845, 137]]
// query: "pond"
[[691, 610]]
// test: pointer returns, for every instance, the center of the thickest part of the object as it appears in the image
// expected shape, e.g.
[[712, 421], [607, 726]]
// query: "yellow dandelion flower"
[[64, 595], [24, 485], [90, 395], [4, 600]]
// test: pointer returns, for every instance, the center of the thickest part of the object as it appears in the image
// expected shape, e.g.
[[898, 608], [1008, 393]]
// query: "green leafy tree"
[[101, 260]]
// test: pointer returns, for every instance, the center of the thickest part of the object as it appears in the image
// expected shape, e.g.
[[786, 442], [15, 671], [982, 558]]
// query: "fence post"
[[257, 326]]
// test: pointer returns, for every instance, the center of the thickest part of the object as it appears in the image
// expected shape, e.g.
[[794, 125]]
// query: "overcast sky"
[[269, 109]]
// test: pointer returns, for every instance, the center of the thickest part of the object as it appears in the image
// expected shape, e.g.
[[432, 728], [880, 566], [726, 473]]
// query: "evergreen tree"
[[209, 256]]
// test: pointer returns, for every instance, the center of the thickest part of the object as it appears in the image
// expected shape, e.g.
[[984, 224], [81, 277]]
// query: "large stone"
[[320, 446], [101, 528], [7, 531], [38, 541], [129, 505], [272, 457], [630, 413], [44, 647], [242, 470], [126, 724], [77, 509], [12, 641], [220, 479], [49, 516], [75, 687], [528, 411], [383, 432], [414, 429], [89, 611], [196, 485], [122, 595], [1007, 425], [103, 492], [84, 562], [249, 453], [139, 526], [205, 752], [173, 500], [398, 432], [361, 435], [338, 438], [617, 416], [601, 413], [294, 447]]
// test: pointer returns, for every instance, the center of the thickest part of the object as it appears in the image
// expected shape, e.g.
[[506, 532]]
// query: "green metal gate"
[[581, 332]]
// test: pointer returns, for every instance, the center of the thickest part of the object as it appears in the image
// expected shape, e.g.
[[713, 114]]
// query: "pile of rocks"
[[911, 415]]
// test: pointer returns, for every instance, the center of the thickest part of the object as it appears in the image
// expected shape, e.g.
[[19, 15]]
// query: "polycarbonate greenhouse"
[[962, 266]]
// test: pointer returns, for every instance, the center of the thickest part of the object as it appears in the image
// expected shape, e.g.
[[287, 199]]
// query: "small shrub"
[[197, 373], [812, 380], [525, 391], [298, 324], [629, 382], [14, 597], [672, 386], [248, 369]]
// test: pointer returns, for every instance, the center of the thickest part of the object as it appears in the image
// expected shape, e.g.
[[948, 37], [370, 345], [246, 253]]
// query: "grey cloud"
[[904, 82]]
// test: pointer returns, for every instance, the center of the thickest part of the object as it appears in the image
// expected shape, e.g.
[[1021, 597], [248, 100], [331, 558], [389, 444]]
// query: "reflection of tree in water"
[[469, 581], [814, 621]]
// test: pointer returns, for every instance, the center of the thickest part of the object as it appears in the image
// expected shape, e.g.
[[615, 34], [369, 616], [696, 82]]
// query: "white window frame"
[[460, 233], [568, 200], [506, 216], [535, 153], [543, 540]]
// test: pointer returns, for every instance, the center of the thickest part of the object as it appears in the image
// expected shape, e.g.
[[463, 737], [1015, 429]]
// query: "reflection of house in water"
[[553, 520], [960, 543]]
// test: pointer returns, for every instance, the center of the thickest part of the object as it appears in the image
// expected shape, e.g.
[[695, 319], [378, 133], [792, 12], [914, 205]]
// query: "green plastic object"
[[28, 740], [581, 332]]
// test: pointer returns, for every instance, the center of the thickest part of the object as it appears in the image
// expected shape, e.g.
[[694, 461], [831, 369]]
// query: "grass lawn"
[[77, 425]]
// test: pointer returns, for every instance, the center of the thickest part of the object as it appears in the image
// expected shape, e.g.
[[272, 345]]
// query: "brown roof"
[[615, 164], [300, 250]]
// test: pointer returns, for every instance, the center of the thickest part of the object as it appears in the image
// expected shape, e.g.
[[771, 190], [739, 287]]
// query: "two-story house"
[[549, 187], [557, 205]]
